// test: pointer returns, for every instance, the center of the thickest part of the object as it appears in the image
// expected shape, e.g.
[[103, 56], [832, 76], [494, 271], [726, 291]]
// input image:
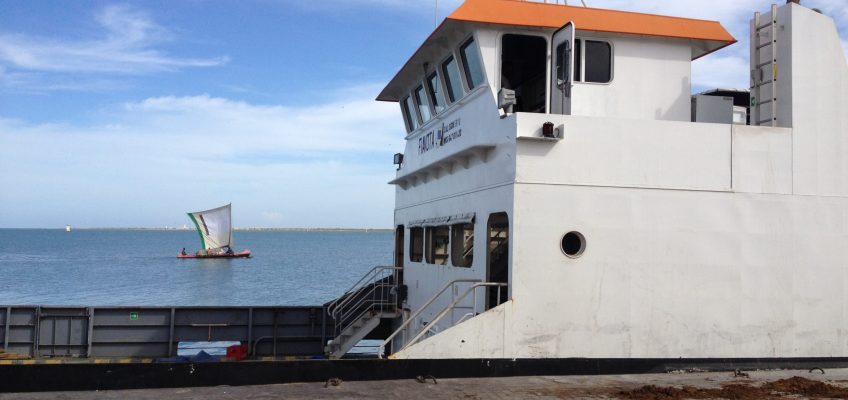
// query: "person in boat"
[[229, 251], [183, 252]]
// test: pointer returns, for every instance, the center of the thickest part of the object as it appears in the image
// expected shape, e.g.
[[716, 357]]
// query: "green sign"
[[134, 316]]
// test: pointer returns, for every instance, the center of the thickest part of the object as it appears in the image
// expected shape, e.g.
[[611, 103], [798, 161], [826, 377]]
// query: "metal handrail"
[[450, 307], [331, 308], [368, 296], [412, 317], [356, 285], [344, 298], [362, 299]]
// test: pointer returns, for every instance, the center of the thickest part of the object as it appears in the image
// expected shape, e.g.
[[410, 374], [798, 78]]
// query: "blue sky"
[[128, 114]]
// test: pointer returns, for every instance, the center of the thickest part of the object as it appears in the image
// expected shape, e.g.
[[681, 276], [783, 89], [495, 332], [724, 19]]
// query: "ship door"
[[497, 259], [399, 257], [399, 247], [562, 69]]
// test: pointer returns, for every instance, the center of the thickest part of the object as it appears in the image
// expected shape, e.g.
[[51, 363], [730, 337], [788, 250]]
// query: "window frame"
[[431, 93], [582, 61], [455, 255], [412, 252], [415, 100], [444, 77], [464, 72], [408, 114], [430, 248]]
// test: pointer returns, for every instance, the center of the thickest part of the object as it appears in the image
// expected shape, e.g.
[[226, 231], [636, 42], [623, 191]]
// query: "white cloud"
[[127, 47], [342, 125], [148, 161], [426, 5]]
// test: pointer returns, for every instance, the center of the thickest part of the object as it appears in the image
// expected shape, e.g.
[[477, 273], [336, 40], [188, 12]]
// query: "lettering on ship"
[[440, 136]]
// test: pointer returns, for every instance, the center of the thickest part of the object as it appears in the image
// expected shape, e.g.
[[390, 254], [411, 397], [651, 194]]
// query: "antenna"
[[436, 15]]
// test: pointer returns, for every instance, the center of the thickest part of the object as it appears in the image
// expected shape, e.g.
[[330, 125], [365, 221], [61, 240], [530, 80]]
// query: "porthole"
[[573, 244]]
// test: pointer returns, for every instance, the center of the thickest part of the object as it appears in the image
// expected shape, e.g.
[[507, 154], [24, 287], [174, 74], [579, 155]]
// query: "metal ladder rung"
[[763, 83], [767, 120], [760, 65], [765, 102], [770, 42], [764, 26]]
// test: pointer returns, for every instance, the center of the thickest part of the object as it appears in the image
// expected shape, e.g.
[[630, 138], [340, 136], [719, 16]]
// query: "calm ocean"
[[139, 267]]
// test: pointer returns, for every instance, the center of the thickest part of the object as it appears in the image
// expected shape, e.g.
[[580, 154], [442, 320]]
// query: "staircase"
[[409, 337], [361, 308]]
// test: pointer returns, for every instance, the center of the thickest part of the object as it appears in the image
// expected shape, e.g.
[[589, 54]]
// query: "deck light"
[[506, 101], [398, 159]]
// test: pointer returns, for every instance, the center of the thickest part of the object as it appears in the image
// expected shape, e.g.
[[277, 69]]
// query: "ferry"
[[564, 205], [562, 194]]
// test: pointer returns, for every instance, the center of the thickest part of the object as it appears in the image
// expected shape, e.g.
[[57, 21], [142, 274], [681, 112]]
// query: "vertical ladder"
[[763, 83]]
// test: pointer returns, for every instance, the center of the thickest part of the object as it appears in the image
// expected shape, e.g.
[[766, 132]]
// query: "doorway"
[[497, 258], [523, 68]]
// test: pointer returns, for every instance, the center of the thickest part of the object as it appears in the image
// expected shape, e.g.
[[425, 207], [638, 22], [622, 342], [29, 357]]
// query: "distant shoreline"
[[235, 229]]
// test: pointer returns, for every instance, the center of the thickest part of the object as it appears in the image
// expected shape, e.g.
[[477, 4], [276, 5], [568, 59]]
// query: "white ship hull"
[[696, 240]]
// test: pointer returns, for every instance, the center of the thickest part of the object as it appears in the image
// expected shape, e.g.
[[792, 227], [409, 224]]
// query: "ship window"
[[416, 244], [573, 244], [409, 114], [437, 240], [452, 80], [471, 64], [594, 61], [462, 244], [523, 69], [436, 94], [423, 104], [561, 67]]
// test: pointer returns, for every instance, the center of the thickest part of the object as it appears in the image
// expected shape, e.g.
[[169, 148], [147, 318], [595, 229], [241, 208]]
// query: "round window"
[[573, 244]]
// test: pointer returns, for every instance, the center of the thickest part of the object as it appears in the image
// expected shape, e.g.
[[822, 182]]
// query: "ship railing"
[[371, 277], [455, 304], [404, 327], [381, 297], [375, 293]]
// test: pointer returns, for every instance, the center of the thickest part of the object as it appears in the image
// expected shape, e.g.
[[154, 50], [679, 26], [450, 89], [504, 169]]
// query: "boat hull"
[[241, 254]]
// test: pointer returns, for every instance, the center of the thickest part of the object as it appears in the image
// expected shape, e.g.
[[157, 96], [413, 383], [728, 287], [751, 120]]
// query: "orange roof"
[[524, 13], [706, 36]]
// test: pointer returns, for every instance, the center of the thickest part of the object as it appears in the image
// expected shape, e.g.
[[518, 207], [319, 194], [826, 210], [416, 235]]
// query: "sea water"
[[139, 267]]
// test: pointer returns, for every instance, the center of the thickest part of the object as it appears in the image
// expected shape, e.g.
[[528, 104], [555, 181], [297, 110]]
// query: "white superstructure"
[[555, 198]]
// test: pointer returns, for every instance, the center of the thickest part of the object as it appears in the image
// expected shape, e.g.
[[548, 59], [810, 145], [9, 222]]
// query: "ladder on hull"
[[764, 72]]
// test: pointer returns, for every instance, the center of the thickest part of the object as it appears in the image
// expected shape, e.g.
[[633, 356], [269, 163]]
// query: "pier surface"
[[794, 384]]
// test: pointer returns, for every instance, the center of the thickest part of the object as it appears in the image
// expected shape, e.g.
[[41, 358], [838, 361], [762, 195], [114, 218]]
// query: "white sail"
[[215, 227]]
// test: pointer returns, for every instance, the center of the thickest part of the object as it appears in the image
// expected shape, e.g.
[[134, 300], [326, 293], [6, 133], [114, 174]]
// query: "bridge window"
[[462, 244], [423, 104], [416, 244], [435, 89], [593, 60], [409, 114], [471, 64], [452, 79], [523, 69], [437, 240]]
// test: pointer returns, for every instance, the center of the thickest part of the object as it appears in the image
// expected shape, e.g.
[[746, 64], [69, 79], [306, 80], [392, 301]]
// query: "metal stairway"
[[764, 70], [408, 336], [361, 308]]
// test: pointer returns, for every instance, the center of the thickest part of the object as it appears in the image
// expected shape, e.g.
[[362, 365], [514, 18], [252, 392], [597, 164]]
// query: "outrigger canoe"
[[215, 228], [241, 254]]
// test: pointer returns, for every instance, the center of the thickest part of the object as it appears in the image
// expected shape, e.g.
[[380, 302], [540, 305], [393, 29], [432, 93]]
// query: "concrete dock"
[[774, 384]]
